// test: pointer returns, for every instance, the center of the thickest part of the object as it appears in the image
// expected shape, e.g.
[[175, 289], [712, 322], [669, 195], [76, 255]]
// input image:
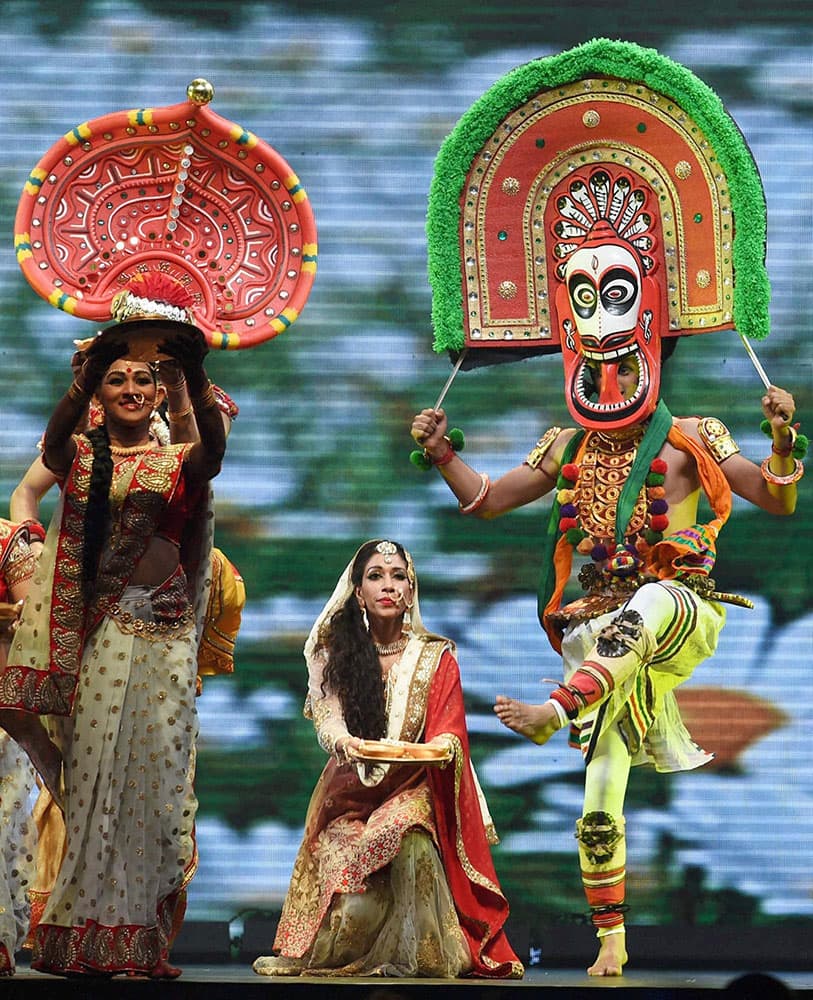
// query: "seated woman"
[[394, 876], [107, 650]]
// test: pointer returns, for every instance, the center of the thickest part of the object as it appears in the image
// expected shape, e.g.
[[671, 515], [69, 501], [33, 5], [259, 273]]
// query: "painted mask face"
[[607, 303]]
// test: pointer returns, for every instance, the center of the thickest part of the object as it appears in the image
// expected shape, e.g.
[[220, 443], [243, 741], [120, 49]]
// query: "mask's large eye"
[[619, 289], [583, 295]]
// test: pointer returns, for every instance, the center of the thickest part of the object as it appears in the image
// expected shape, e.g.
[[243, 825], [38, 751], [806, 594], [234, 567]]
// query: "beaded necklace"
[[588, 494], [392, 647]]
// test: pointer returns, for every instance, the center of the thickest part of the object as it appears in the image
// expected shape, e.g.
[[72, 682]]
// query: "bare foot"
[[612, 956], [165, 971], [536, 723]]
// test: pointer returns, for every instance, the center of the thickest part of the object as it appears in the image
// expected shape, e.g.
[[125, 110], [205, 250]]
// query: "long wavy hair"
[[353, 672]]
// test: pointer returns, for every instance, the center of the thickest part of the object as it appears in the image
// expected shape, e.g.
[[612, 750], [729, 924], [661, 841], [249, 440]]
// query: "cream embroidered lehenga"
[[394, 876], [117, 684]]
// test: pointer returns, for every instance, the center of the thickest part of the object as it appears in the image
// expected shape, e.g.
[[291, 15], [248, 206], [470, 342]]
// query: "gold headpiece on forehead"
[[387, 549]]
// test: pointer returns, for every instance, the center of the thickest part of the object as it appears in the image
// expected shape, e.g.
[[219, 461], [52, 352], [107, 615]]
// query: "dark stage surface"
[[224, 982]]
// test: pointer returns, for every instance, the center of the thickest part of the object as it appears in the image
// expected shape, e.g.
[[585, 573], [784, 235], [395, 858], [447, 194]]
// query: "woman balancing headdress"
[[169, 213], [594, 203]]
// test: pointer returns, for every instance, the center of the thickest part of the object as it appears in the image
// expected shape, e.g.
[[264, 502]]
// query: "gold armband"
[[542, 447], [717, 438]]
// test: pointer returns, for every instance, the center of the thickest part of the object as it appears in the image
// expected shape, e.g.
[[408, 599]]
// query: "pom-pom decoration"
[[177, 193], [420, 459], [457, 439]]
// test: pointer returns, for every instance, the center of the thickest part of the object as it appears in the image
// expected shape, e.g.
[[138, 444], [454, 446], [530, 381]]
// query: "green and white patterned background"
[[358, 97]]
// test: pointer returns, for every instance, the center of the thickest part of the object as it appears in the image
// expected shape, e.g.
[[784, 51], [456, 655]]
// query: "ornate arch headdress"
[[606, 133], [172, 213]]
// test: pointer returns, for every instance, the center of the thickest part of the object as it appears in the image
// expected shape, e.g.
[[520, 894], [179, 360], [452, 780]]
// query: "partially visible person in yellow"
[[16, 772]]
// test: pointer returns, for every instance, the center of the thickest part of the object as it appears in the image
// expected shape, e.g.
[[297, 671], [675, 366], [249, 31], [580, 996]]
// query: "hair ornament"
[[387, 549]]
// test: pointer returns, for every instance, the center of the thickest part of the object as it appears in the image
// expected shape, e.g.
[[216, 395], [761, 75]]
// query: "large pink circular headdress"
[[169, 213]]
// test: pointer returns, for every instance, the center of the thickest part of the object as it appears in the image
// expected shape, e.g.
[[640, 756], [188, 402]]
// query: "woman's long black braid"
[[353, 672], [97, 511]]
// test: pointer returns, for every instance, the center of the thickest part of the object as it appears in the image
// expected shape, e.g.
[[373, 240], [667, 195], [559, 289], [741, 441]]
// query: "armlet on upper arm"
[[717, 438], [542, 446]]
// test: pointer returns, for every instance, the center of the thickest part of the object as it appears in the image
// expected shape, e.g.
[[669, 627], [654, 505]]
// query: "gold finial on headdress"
[[200, 91]]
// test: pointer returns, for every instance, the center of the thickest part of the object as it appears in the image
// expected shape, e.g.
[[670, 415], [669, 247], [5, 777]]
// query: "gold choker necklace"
[[136, 449], [392, 647]]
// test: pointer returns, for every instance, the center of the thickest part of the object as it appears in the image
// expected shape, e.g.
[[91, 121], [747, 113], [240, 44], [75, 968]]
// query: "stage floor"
[[224, 982]]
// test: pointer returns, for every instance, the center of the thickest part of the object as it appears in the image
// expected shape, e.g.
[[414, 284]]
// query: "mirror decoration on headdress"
[[170, 197], [593, 203]]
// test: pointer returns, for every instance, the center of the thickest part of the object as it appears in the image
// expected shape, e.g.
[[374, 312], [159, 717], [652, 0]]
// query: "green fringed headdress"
[[501, 173]]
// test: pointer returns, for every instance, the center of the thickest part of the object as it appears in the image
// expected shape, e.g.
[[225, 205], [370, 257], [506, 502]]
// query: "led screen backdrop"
[[318, 458]]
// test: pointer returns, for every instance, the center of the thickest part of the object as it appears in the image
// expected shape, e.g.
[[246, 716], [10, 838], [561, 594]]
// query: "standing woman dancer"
[[107, 649]]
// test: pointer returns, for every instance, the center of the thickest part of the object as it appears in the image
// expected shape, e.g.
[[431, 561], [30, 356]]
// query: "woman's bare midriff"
[[160, 559]]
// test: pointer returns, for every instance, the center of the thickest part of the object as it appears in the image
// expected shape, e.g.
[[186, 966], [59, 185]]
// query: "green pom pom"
[[653, 537], [574, 536], [419, 460], [801, 446], [655, 479], [766, 428], [457, 439]]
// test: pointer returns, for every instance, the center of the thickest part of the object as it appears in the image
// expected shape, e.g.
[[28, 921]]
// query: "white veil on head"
[[344, 588]]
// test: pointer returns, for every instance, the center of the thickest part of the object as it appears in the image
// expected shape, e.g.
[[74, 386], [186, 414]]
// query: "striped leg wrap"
[[620, 649], [602, 856]]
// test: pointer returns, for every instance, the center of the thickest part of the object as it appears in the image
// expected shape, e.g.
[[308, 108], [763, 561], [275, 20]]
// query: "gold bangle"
[[792, 477], [482, 493], [77, 393], [179, 414], [174, 386], [206, 399]]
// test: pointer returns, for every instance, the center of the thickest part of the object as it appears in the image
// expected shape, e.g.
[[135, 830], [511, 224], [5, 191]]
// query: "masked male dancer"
[[628, 477], [621, 665]]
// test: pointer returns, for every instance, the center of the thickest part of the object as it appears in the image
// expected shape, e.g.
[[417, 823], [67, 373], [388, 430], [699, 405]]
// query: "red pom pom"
[[658, 465], [659, 522], [567, 523], [570, 471]]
